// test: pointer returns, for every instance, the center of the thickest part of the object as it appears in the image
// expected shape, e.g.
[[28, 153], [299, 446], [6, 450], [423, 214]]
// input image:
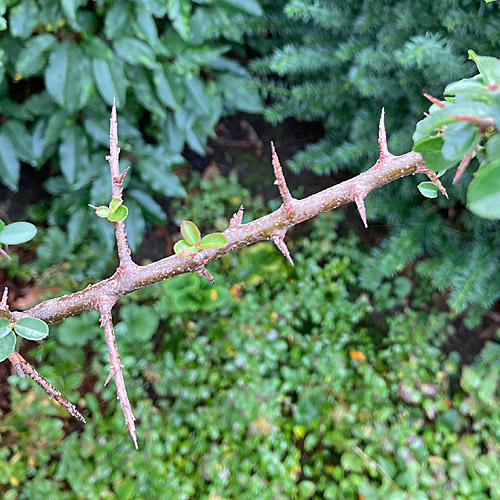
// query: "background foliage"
[[339, 64], [245, 389]]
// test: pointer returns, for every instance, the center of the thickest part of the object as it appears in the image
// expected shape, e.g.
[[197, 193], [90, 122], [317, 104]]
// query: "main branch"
[[273, 227]]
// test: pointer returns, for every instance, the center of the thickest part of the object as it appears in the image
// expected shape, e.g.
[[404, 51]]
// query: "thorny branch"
[[129, 276]]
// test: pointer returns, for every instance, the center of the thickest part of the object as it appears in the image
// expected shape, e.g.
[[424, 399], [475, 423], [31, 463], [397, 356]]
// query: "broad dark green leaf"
[[96, 48], [252, 7], [17, 233], [179, 12], [196, 89], [135, 52], [161, 180], [70, 8], [428, 189], [23, 18], [54, 127], [77, 226], [98, 129], [135, 225], [238, 94], [7, 345], [32, 59], [73, 152], [483, 194], [148, 205], [31, 328], [430, 149], [458, 137], [21, 140], [118, 20], [68, 77], [110, 80], [145, 27], [164, 89], [145, 92], [9, 164], [488, 66]]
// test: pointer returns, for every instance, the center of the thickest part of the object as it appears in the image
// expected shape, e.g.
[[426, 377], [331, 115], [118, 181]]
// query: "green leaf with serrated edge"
[[69, 8], [135, 225], [31, 59], [213, 240], [179, 12], [483, 194], [458, 137], [164, 90], [73, 151], [190, 232], [102, 212], [7, 346], [120, 214], [31, 328], [2, 225], [55, 126], [135, 52], [428, 189], [9, 164], [197, 90], [183, 249], [17, 233], [110, 80], [5, 327], [430, 149], [145, 27], [114, 204], [148, 205], [21, 140], [488, 66]]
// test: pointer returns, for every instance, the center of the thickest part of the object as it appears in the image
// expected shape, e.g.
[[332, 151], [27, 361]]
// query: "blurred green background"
[[343, 377]]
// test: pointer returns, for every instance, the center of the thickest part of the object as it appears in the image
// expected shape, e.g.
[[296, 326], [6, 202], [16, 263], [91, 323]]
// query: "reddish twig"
[[202, 271], [115, 370], [464, 163], [435, 101], [422, 169], [483, 121], [5, 254], [23, 367]]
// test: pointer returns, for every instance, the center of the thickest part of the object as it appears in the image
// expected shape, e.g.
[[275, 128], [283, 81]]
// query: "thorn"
[[3, 302], [112, 373], [435, 101], [361, 207], [280, 180], [236, 218], [124, 173], [202, 271], [462, 166], [422, 169], [382, 136], [280, 243]]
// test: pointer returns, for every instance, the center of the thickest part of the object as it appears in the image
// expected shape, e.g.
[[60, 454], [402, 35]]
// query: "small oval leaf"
[[31, 328], [102, 212], [16, 233], [428, 189], [114, 204], [119, 214], [7, 346], [214, 240], [190, 232]]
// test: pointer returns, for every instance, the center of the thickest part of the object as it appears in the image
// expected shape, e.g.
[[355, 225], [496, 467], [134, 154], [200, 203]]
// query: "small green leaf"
[[135, 52], [190, 232], [31, 328], [120, 214], [7, 345], [9, 163], [102, 212], [213, 240], [430, 149], [183, 249], [488, 66], [114, 204], [17, 233], [428, 189], [4, 327]]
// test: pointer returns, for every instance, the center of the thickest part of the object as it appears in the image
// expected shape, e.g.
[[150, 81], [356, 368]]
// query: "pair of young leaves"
[[193, 242]]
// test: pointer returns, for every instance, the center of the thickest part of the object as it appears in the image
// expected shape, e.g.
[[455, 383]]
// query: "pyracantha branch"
[[202, 271], [130, 277], [23, 367], [115, 366]]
